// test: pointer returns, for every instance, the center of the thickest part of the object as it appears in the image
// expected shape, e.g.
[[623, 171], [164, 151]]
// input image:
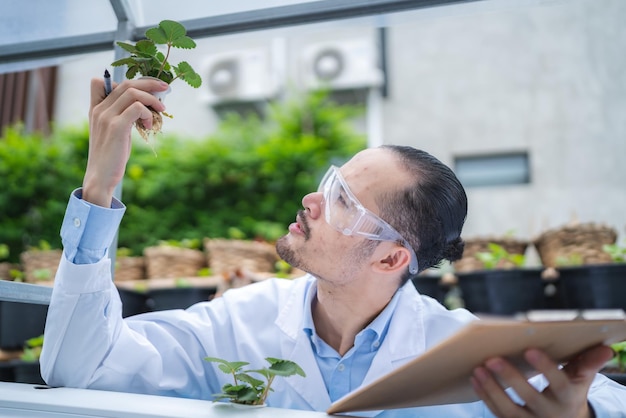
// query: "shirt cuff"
[[88, 230]]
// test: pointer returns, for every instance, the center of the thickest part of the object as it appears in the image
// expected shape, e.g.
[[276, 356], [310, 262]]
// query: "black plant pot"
[[19, 322], [178, 297], [27, 372], [133, 302], [601, 286], [431, 286], [503, 292], [7, 373]]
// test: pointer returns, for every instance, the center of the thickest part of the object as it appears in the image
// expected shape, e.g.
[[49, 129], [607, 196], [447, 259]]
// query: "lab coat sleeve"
[[89, 345]]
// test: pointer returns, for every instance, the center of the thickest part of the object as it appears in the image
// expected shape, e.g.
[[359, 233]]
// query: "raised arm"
[[111, 119]]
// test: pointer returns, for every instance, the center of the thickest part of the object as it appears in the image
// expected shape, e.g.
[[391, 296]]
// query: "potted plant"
[[40, 262], [174, 258], [148, 61], [589, 265], [247, 389], [19, 321], [503, 285], [127, 266], [26, 369], [616, 367]]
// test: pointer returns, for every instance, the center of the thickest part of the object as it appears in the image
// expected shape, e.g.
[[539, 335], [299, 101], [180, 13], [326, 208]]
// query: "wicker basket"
[[165, 261], [5, 270], [469, 262], [130, 268], [40, 264], [575, 244], [226, 256]]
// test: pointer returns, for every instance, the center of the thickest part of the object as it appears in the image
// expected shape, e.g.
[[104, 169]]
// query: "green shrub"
[[246, 179], [38, 175]]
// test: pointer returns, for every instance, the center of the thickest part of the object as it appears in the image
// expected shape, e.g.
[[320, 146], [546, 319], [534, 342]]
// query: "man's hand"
[[110, 123], [565, 396]]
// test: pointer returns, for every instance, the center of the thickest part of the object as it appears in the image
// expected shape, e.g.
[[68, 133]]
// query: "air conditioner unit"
[[239, 76], [346, 64]]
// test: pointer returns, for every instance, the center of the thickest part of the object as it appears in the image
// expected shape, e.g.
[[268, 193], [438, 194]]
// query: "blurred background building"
[[526, 100]]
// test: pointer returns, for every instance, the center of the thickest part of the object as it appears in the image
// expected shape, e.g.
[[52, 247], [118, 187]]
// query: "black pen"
[[107, 83]]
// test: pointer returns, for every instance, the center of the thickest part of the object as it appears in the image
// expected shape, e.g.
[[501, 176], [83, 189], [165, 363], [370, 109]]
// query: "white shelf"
[[30, 401]]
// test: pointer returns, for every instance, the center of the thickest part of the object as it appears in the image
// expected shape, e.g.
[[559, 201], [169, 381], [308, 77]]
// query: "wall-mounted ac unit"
[[239, 76], [345, 64]]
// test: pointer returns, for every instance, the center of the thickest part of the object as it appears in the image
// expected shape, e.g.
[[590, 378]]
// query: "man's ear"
[[392, 259]]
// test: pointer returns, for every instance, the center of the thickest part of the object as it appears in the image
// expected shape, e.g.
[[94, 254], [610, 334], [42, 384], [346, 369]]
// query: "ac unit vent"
[[239, 76], [346, 64]]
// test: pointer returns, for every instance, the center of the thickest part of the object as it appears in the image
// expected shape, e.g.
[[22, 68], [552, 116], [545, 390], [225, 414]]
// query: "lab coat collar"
[[406, 325]]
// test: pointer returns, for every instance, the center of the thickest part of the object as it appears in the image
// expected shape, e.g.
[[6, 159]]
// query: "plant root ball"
[[157, 124]]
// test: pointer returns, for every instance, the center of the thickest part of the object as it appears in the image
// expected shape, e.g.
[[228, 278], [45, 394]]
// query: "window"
[[493, 170]]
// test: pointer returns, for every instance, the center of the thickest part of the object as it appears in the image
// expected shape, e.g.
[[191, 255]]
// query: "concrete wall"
[[546, 77], [549, 79]]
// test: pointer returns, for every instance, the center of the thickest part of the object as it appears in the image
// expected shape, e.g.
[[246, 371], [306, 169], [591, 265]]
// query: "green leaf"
[[146, 47], [244, 377], [187, 73], [124, 61], [284, 367], [132, 72], [227, 366], [247, 394], [128, 47], [185, 43], [166, 32]]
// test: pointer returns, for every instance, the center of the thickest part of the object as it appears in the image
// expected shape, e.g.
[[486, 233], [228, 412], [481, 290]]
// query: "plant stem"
[[267, 389], [169, 46]]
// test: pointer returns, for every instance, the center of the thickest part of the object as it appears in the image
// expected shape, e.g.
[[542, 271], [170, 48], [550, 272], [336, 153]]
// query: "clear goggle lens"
[[344, 212]]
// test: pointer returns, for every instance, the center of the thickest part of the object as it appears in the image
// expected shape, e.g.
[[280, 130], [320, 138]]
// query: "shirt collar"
[[378, 326]]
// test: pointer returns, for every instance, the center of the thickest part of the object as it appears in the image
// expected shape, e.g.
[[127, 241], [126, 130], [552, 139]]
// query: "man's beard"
[[286, 252]]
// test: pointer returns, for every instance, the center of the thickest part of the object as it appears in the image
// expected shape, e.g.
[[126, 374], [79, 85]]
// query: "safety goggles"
[[344, 212]]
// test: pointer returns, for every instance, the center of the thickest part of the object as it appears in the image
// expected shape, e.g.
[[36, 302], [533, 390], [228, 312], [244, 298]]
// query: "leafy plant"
[[620, 356], [569, 260], [32, 349], [497, 256], [191, 243], [146, 59], [247, 389], [617, 253], [4, 251]]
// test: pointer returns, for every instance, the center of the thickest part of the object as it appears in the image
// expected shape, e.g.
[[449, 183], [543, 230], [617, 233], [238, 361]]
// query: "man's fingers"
[[129, 91], [492, 393], [97, 91], [587, 364]]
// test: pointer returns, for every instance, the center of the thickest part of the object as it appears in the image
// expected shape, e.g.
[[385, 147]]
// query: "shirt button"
[[376, 344], [76, 222], [341, 367]]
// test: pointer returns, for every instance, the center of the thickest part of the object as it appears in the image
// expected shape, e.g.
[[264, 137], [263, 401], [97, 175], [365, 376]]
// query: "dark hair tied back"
[[454, 249]]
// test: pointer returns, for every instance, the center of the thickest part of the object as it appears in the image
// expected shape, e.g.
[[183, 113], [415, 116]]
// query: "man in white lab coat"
[[352, 319]]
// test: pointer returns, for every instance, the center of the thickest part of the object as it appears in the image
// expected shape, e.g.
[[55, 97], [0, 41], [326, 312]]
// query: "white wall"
[[548, 78]]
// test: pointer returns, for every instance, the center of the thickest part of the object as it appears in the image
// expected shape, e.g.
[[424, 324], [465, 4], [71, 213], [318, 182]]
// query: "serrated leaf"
[[284, 367], [230, 366], [186, 73], [123, 61], [185, 43], [166, 32], [127, 47], [147, 47], [132, 72], [264, 372], [247, 394], [243, 377]]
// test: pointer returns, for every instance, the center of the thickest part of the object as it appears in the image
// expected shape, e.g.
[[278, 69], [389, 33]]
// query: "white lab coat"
[[88, 344]]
